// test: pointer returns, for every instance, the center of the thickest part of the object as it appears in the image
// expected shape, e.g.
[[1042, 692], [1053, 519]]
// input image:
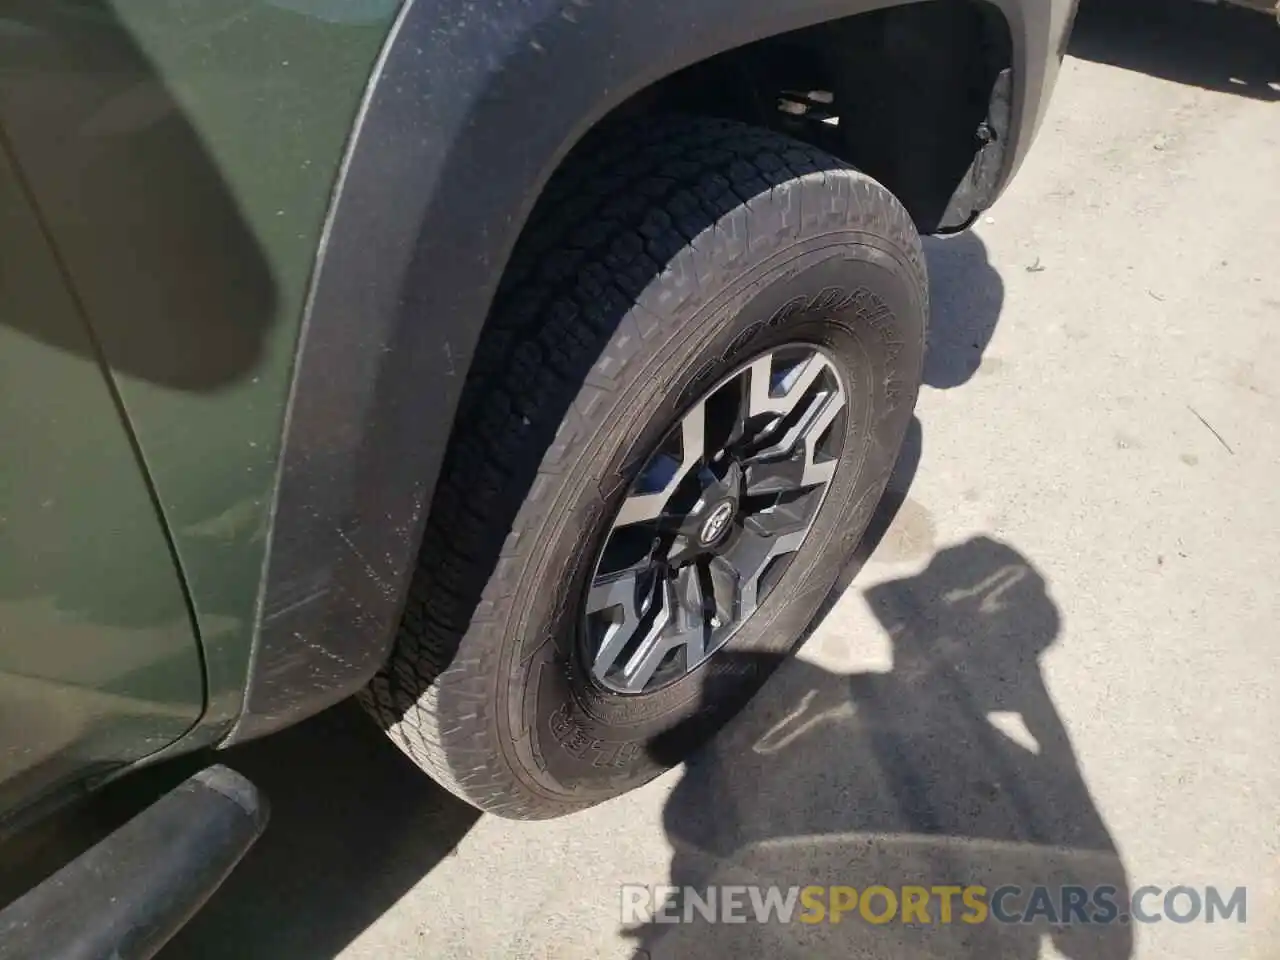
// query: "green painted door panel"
[[98, 661], [182, 154]]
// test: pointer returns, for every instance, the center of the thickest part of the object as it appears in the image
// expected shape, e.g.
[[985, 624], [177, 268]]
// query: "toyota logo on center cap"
[[716, 523]]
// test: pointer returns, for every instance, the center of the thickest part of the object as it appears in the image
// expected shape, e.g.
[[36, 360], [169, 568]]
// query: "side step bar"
[[127, 896]]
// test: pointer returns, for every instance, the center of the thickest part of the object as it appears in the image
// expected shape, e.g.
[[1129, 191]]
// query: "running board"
[[124, 898]]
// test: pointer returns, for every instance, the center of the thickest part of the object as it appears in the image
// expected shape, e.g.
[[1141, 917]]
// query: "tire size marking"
[[578, 744]]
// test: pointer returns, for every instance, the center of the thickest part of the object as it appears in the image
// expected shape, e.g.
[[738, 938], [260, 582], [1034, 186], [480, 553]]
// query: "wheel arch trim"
[[466, 115]]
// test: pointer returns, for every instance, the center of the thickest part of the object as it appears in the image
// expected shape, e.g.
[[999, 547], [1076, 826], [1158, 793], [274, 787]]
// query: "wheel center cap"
[[717, 522]]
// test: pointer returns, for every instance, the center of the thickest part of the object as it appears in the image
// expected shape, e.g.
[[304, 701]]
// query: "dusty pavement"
[[1089, 522]]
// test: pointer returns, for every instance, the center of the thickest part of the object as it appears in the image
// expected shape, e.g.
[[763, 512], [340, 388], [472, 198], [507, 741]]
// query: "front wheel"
[[694, 382]]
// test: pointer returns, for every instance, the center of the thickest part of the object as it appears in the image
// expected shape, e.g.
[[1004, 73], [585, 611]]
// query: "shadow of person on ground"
[[966, 295], [951, 768], [1221, 47]]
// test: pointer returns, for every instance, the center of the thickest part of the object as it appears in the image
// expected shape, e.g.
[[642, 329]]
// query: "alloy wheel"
[[714, 517]]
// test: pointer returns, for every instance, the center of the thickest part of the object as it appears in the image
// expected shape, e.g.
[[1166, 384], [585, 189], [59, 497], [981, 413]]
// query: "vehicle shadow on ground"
[[1220, 48], [354, 824], [953, 767], [966, 295]]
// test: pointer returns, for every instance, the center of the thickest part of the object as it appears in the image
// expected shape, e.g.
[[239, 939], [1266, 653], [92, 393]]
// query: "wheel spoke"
[[784, 519], [734, 486], [766, 477], [794, 386], [724, 586], [645, 662], [653, 649], [816, 471], [621, 596], [790, 461], [749, 558], [618, 589], [639, 508], [695, 616], [742, 412], [812, 420], [693, 600], [648, 506]]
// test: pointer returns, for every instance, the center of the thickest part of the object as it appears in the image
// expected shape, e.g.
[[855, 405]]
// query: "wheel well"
[[917, 96]]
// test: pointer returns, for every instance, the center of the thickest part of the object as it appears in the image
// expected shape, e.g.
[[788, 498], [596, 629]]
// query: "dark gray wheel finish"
[[707, 526], [662, 259]]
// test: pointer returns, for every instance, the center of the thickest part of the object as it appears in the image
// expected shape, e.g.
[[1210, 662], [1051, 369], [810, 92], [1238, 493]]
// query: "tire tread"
[[629, 199]]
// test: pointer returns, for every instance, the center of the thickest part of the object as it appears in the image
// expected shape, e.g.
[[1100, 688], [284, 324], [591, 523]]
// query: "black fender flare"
[[469, 110]]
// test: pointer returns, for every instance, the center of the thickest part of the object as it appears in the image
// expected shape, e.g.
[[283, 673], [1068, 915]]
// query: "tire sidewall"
[[859, 295]]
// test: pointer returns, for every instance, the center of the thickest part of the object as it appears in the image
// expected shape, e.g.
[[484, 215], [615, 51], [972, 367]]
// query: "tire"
[[660, 257]]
